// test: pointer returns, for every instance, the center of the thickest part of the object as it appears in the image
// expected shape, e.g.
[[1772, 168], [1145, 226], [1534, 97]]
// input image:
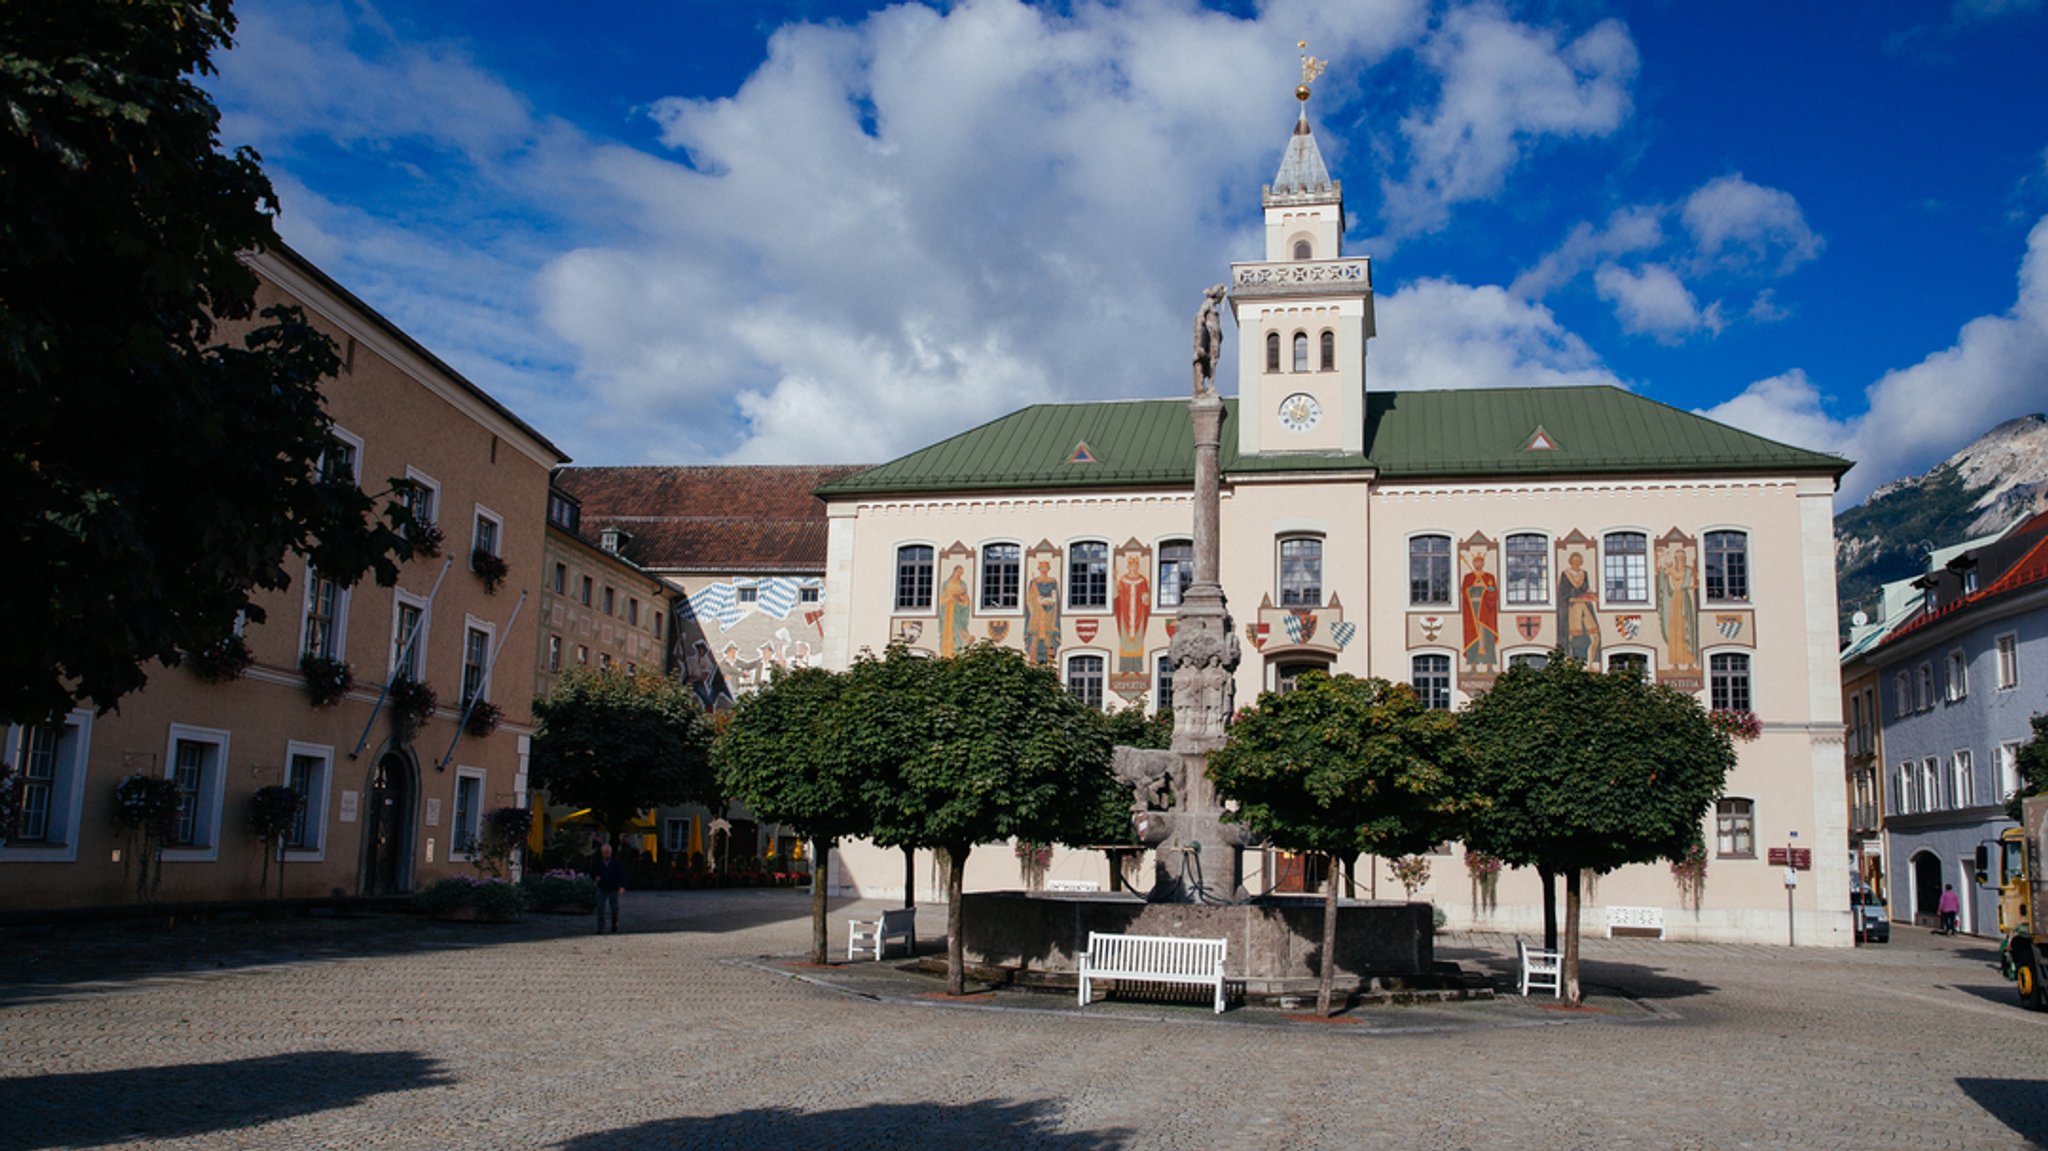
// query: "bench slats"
[[1154, 959]]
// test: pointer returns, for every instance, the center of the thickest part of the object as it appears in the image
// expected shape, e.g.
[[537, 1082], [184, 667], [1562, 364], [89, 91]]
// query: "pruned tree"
[[1342, 765], [977, 748], [1588, 771], [273, 810], [159, 474], [619, 743], [781, 755]]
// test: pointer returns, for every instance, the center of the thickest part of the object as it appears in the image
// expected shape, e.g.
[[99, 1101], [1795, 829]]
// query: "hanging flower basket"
[[223, 661], [1742, 725], [484, 717], [412, 704], [426, 539], [327, 680], [489, 568]]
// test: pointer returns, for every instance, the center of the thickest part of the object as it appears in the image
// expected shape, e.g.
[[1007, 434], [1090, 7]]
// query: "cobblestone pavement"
[[312, 1033]]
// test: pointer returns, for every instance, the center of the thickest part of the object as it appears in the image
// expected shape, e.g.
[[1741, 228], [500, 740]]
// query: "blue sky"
[[801, 231]]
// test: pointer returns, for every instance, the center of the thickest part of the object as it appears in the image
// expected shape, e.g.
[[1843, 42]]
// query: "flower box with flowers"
[[1742, 725]]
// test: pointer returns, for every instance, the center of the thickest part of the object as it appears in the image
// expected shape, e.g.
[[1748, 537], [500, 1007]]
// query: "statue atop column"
[[1208, 342]]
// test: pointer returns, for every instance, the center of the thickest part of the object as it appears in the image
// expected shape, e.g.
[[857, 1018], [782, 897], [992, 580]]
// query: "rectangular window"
[[1902, 790], [582, 656], [1727, 564], [1855, 725], [2008, 662], [486, 539], [323, 616], [1528, 571], [1176, 572], [1962, 782], [749, 593], [554, 653], [469, 811], [197, 765], [561, 584], [609, 595], [604, 661], [657, 621], [1728, 682], [914, 578], [1301, 573], [1002, 567], [1902, 694], [407, 640], [1956, 675], [1430, 675], [807, 595], [588, 585], [1163, 674], [476, 662], [38, 786], [342, 462], [50, 765], [306, 773], [1429, 570], [1735, 829], [1930, 783], [2008, 770], [632, 611], [1625, 567], [1084, 679], [1923, 687], [1088, 575], [1635, 663], [675, 835], [423, 498]]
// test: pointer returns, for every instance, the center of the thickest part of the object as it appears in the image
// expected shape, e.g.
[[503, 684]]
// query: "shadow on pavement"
[[984, 1124], [2021, 1104], [1999, 993], [149, 1104], [1640, 982]]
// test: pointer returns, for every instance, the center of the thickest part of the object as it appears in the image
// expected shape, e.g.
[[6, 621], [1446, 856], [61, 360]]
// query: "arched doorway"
[[388, 826], [1926, 888]]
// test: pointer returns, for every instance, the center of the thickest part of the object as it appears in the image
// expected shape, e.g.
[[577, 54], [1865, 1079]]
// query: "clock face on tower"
[[1299, 412]]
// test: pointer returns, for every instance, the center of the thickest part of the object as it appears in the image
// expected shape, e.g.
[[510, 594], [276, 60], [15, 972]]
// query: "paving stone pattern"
[[697, 1028]]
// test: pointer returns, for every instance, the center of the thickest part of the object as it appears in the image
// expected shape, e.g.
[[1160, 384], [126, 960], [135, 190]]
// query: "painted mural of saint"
[[1042, 615], [1133, 614], [953, 608], [1578, 616], [1480, 606], [1677, 611]]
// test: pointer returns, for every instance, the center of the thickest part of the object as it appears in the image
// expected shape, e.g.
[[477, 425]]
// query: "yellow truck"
[[2021, 897]]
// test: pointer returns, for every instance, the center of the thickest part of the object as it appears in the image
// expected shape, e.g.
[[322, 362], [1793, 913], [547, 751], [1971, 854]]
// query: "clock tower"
[[1303, 313]]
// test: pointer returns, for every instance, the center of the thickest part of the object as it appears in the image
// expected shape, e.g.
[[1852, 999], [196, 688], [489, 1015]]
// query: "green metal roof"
[[1467, 432]]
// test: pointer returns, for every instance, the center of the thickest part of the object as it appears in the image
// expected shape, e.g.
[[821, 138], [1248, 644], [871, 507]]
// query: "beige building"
[[597, 608], [1431, 537], [383, 813]]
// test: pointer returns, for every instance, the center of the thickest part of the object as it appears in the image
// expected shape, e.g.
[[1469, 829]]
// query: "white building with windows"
[[1432, 537], [387, 809]]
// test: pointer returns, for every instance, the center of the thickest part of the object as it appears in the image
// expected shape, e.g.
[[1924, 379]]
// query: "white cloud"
[[1735, 223], [1634, 229], [1504, 86], [1920, 415], [1441, 334], [1652, 300]]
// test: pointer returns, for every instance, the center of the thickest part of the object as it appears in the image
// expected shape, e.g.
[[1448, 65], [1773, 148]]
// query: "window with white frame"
[[1084, 678], [1735, 829], [2008, 646], [1962, 779], [1088, 575], [488, 537], [554, 653], [1535, 660], [323, 630], [1301, 572], [1726, 557], [1905, 786], [476, 662], [803, 595], [1728, 681], [1429, 570], [308, 768], [1528, 568], [675, 835], [1956, 677], [1430, 676], [1625, 567], [914, 577], [1287, 676], [1002, 575], [408, 635], [422, 498], [1930, 784], [48, 762], [195, 760], [468, 826], [582, 655], [1923, 687], [342, 462], [1902, 694], [2008, 770], [1301, 351], [1636, 663], [1162, 676], [1176, 572]]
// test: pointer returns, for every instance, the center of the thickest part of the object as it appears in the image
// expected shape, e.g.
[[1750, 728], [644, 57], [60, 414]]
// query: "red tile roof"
[[2030, 569], [740, 518]]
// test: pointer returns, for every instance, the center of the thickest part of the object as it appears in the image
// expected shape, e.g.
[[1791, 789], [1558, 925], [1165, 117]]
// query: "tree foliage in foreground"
[[2032, 762], [1342, 766], [1588, 771], [154, 475], [620, 743]]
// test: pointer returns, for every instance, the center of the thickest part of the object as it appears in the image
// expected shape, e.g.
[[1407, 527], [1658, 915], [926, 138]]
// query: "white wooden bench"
[[1153, 959], [1542, 969], [874, 934], [1635, 919]]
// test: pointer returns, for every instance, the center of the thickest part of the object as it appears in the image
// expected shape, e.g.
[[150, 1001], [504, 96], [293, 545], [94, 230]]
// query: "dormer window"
[[1301, 351], [1301, 250]]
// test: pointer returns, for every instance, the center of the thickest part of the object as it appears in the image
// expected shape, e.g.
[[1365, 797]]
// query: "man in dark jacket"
[[610, 873]]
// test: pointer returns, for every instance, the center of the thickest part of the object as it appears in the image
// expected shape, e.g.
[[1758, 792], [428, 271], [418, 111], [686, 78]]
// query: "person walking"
[[610, 873], [1949, 906]]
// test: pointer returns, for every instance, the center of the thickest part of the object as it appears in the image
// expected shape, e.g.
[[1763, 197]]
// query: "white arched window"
[[1301, 351]]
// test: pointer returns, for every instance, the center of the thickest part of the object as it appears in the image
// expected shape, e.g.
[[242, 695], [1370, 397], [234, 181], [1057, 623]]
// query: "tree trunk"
[[821, 858], [909, 876], [280, 872], [1329, 964], [1571, 937], [263, 885], [956, 878], [1549, 879]]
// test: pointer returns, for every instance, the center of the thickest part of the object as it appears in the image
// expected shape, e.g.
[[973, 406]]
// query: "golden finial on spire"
[[1310, 69]]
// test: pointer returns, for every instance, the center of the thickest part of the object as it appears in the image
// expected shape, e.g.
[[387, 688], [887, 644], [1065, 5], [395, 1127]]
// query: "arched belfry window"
[[1301, 250], [1272, 351], [1329, 351], [1301, 351]]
